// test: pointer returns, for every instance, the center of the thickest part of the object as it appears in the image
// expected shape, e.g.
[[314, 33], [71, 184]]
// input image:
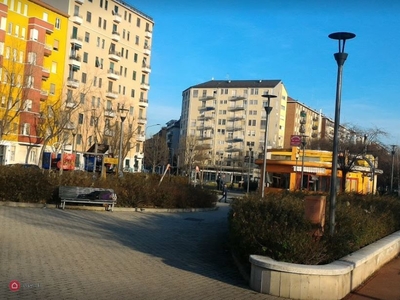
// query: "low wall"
[[331, 281]]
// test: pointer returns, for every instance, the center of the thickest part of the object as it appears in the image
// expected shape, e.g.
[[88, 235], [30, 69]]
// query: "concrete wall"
[[331, 281]]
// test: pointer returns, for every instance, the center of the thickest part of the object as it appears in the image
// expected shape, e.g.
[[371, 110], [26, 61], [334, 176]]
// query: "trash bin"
[[315, 209]]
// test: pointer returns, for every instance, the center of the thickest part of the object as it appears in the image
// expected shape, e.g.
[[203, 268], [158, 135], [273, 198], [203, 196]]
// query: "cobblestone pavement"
[[76, 254]]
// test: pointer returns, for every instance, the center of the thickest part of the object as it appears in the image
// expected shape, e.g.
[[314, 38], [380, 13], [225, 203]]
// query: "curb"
[[101, 208]]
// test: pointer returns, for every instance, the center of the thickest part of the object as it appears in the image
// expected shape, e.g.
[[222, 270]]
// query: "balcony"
[[232, 149], [47, 50], [112, 94], [146, 68], [204, 146], [148, 34], [109, 113], [75, 62], [114, 55], [77, 19], [147, 50], [235, 118], [112, 74], [45, 73], [109, 132], [205, 117], [142, 120], [143, 102], [76, 42], [236, 139], [205, 98], [203, 109], [140, 138], [115, 36], [314, 127], [236, 108], [144, 86], [237, 98], [117, 17], [207, 126], [80, 1], [70, 104], [204, 138], [44, 94], [72, 83], [234, 128]]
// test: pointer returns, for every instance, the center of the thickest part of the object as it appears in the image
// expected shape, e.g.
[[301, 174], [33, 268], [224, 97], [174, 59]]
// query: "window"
[[100, 82], [104, 24], [32, 58], [79, 139], [134, 75], [26, 129], [89, 17], [19, 7], [126, 54], [135, 57], [82, 98], [128, 35], [195, 93], [56, 44], [129, 17], [133, 93], [57, 24], [54, 67], [29, 81], [28, 105], [138, 22], [45, 16], [94, 80], [16, 30], [85, 57], [137, 40], [34, 34], [52, 88], [98, 42], [83, 77], [87, 36], [97, 62], [23, 33], [99, 22], [103, 43], [10, 26], [80, 119]]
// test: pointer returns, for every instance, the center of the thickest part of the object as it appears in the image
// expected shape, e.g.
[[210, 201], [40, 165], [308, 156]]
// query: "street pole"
[[303, 144], [95, 141], [248, 174], [123, 111], [268, 110], [391, 177], [340, 58]]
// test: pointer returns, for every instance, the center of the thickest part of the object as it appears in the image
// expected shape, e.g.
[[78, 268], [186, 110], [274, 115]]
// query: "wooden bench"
[[89, 195]]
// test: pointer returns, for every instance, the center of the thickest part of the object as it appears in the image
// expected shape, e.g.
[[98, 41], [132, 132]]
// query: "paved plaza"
[[78, 254]]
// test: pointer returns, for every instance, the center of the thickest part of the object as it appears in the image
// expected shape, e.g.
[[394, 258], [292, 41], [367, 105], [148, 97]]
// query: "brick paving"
[[76, 254]]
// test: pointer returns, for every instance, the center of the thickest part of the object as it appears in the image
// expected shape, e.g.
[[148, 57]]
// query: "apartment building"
[[107, 75], [32, 55], [222, 119], [301, 120]]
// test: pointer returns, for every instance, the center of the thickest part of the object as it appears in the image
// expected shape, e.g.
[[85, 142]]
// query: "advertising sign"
[[295, 140]]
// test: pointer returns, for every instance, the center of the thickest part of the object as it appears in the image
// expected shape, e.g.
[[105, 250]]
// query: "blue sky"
[[287, 40]]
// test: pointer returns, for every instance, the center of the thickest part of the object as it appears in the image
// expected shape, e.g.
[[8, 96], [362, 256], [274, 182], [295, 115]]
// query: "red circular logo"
[[14, 285]]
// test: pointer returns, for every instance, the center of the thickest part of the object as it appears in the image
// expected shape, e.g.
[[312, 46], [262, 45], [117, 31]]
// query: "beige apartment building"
[[222, 119], [107, 75]]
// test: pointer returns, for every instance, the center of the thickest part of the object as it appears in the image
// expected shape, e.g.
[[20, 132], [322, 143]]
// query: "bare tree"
[[156, 151]]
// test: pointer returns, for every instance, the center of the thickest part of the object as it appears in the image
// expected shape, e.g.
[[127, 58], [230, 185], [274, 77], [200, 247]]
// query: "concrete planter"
[[331, 281]]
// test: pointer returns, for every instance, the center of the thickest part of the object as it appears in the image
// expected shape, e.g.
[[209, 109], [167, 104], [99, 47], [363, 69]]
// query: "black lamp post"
[[340, 58], [391, 176], [303, 146], [122, 111], [268, 110], [248, 174]]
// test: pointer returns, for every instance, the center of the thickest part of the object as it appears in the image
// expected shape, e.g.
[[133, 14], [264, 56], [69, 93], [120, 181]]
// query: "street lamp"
[[190, 164], [340, 58], [303, 145], [95, 141], [391, 177], [268, 110], [145, 133], [73, 139], [123, 112]]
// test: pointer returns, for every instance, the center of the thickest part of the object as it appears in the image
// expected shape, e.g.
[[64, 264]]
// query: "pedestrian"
[[224, 193]]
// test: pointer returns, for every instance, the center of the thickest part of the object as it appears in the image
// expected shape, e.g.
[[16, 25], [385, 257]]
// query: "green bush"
[[276, 227], [133, 189]]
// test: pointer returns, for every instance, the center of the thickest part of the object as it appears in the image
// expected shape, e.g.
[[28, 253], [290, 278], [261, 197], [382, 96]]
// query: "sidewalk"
[[383, 285]]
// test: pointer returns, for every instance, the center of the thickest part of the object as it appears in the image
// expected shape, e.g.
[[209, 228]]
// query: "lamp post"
[[303, 146], [248, 174], [340, 58], [190, 165], [122, 111], [73, 145], [268, 110], [145, 133], [95, 141], [391, 176]]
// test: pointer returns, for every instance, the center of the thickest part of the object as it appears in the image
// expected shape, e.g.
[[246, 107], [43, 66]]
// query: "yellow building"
[[292, 169], [32, 55]]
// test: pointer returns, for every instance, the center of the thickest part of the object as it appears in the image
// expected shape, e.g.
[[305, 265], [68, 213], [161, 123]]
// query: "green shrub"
[[276, 227]]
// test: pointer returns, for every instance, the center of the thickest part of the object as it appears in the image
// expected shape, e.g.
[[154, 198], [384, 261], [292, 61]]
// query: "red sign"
[[14, 285], [68, 161], [295, 140]]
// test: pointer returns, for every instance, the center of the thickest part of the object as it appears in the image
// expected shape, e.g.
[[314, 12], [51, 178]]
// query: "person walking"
[[224, 193]]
